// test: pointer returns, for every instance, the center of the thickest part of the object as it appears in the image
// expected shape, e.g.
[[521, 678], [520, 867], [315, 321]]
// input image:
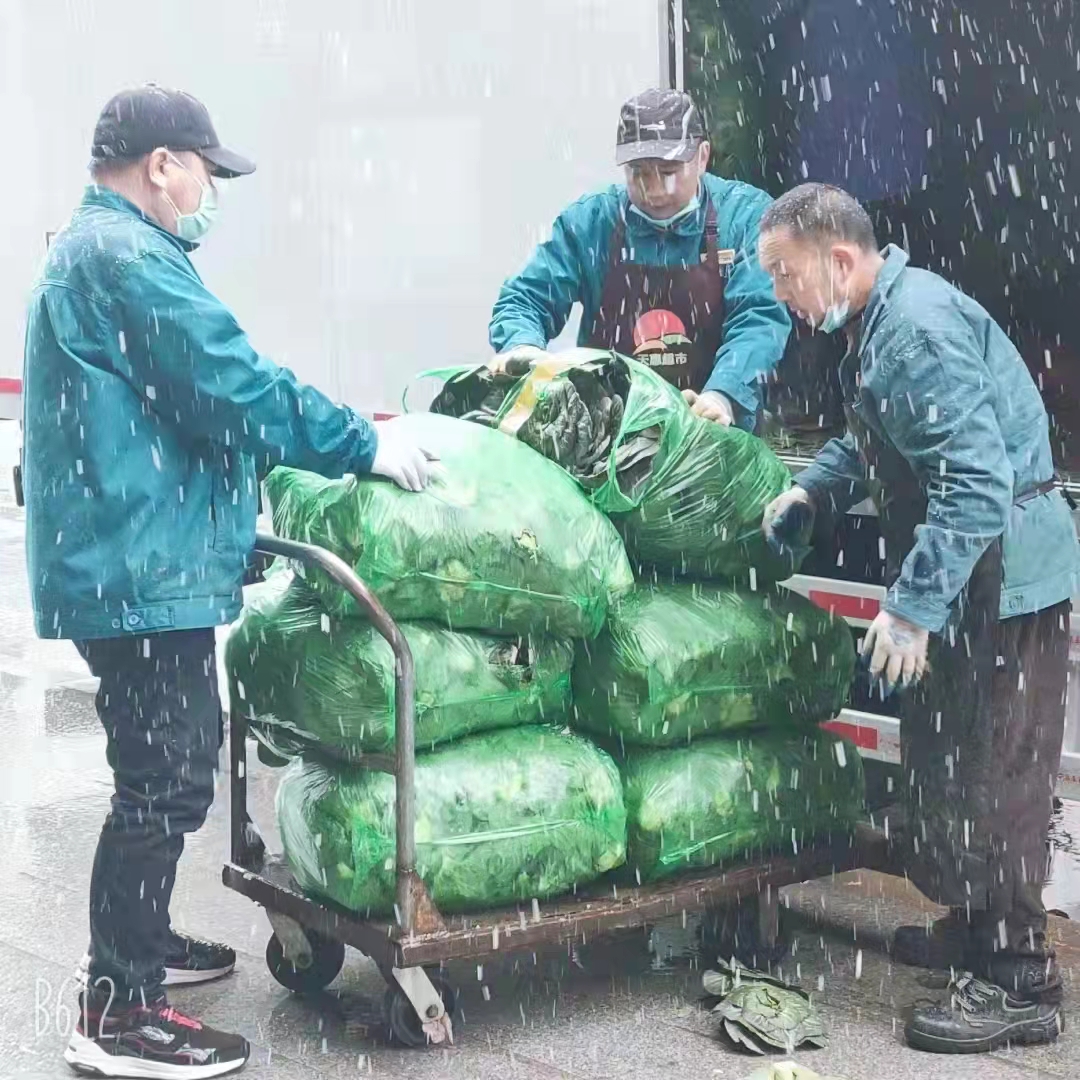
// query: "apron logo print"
[[660, 339]]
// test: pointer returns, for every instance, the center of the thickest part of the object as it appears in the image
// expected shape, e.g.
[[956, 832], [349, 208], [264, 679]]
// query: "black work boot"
[[944, 944], [980, 1017]]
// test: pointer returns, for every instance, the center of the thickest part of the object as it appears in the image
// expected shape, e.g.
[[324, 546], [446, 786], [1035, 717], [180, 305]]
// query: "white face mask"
[[665, 223], [193, 227], [837, 314]]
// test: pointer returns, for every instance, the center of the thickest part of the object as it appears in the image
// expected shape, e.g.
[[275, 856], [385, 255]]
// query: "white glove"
[[530, 354], [896, 649], [399, 459], [786, 517], [711, 405]]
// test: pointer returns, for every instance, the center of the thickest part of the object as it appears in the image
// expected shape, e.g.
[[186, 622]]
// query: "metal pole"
[[680, 43], [404, 703], [238, 815]]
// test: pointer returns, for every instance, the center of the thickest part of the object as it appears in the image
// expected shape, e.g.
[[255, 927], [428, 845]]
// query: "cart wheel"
[[405, 1026], [327, 958], [735, 933]]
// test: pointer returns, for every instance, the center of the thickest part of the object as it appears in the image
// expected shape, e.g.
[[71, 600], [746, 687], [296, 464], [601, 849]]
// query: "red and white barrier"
[[10, 399]]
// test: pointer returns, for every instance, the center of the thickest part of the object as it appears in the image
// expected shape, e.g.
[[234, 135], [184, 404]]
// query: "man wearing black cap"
[[664, 268], [148, 420]]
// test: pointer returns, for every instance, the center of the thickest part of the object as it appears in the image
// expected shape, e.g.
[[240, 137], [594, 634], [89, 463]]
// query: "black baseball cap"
[[661, 124], [139, 121]]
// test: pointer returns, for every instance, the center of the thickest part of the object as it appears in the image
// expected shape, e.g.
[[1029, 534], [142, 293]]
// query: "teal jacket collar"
[[96, 195]]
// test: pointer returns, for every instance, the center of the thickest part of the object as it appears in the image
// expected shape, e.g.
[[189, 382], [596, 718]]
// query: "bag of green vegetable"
[[687, 494], [507, 816], [727, 800], [501, 540], [306, 679], [683, 661]]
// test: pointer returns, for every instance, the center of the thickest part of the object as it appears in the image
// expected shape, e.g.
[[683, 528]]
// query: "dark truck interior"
[[954, 123]]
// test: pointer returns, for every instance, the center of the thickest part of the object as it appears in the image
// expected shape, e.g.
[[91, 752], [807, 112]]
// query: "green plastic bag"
[[305, 679], [686, 494], [501, 540], [504, 817], [678, 662], [729, 800]]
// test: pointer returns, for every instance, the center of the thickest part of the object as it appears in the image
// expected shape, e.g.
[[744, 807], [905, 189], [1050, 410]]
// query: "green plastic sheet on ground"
[[502, 540], [504, 817], [686, 494], [678, 662], [306, 679], [728, 800]]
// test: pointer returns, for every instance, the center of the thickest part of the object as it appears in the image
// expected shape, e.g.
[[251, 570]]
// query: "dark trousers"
[[981, 745], [160, 708]]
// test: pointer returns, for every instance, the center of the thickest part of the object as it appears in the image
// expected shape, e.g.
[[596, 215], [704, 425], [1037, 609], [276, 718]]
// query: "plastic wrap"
[[678, 662], [502, 540], [503, 817], [729, 800], [306, 679], [686, 494]]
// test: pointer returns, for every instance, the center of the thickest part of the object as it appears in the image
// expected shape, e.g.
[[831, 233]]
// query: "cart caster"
[[751, 932], [405, 1027], [326, 960]]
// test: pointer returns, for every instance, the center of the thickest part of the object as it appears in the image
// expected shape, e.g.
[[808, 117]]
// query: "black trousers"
[[981, 745], [159, 704]]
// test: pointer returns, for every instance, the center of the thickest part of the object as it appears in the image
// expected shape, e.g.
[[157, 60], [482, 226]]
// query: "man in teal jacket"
[[665, 269], [947, 432], [149, 419]]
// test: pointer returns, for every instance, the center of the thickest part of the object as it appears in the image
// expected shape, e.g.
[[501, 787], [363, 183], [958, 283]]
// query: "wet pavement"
[[614, 1010]]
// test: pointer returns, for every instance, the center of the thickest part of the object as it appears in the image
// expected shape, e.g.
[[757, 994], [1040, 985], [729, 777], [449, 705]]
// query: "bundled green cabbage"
[[686, 494], [502, 540], [727, 800], [307, 679], [678, 662], [503, 817]]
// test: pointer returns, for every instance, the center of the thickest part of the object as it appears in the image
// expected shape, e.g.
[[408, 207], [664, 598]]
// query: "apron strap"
[[1039, 489], [712, 257]]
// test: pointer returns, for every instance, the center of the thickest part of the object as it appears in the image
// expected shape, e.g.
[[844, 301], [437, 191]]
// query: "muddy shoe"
[[981, 1017], [943, 944]]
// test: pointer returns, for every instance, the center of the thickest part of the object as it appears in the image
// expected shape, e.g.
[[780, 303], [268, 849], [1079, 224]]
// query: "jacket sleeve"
[[756, 324], [949, 434], [533, 307], [836, 477], [195, 367]]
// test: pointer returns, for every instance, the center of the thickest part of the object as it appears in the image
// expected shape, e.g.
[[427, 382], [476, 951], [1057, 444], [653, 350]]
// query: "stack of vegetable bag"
[[708, 681], [710, 698], [492, 571]]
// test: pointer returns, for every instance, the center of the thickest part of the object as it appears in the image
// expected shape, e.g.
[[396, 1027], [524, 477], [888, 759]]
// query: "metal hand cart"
[[307, 948]]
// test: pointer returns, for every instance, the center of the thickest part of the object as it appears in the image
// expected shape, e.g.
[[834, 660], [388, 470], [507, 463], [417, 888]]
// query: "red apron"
[[669, 317]]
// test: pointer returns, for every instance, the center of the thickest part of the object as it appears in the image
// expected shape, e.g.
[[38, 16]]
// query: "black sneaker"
[[981, 1017], [942, 945], [192, 960], [152, 1043], [188, 961]]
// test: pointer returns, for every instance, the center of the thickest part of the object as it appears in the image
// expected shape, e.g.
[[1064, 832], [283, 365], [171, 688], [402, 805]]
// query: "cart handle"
[[404, 703]]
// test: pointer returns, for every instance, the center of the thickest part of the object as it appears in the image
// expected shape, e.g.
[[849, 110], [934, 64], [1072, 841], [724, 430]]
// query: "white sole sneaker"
[[173, 976], [88, 1059]]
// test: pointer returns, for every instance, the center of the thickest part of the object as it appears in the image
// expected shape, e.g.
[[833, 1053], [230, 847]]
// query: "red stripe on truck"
[[847, 607], [866, 738], [10, 386]]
